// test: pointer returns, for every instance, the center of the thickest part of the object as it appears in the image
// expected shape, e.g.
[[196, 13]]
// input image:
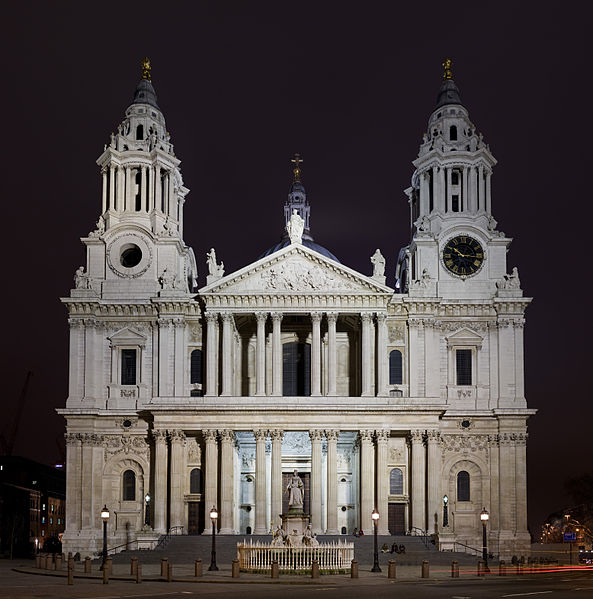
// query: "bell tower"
[[137, 249], [456, 249]]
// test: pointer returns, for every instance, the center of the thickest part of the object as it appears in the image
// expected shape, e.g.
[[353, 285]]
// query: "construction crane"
[[8, 445]]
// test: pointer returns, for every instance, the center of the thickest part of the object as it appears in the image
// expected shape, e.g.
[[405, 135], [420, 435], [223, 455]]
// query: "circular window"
[[465, 423], [130, 256], [248, 508], [127, 423], [344, 508]]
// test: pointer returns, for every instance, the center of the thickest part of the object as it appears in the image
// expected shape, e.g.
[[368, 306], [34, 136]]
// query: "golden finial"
[[448, 74], [297, 169], [146, 69]]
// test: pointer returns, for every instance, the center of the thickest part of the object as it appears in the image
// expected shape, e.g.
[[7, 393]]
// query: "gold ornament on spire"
[[146, 69], [297, 169], [448, 74]]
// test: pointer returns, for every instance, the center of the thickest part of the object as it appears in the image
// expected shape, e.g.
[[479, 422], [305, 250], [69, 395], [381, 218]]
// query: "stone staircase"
[[184, 549]]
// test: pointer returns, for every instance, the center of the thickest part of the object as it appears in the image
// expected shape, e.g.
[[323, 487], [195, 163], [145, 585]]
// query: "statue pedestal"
[[295, 520]]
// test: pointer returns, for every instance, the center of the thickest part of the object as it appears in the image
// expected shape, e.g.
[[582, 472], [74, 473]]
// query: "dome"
[[448, 94], [145, 94], [307, 243]]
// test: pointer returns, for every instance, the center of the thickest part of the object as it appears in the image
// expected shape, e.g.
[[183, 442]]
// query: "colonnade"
[[373, 325]]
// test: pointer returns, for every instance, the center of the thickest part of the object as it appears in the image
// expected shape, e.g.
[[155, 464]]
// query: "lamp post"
[[375, 517], [484, 516], [445, 511], [213, 517], [147, 509], [105, 518]]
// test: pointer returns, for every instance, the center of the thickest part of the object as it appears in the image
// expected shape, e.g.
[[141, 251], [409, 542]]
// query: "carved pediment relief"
[[296, 269]]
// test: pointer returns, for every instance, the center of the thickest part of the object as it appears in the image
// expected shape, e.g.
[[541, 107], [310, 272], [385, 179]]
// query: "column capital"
[[382, 435], [381, 317], [417, 436], [211, 317], [276, 316], [159, 435], [366, 317], [316, 317], [177, 436], [260, 435], [227, 435], [365, 436], [433, 436], [332, 435], [261, 317], [331, 317], [277, 435], [316, 435], [227, 317], [210, 435]]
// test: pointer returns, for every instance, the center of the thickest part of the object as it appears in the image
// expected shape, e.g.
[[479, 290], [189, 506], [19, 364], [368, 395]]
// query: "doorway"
[[397, 518], [195, 518]]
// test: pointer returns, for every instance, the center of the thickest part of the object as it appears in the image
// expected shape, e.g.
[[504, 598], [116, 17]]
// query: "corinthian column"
[[227, 364], [366, 365], [276, 498], [418, 477], [434, 479], [227, 482], [367, 480], [260, 482], [382, 482], [381, 354], [211, 483], [160, 480], [276, 354], [260, 354], [332, 357], [316, 354], [177, 471], [332, 482], [315, 489], [211, 357]]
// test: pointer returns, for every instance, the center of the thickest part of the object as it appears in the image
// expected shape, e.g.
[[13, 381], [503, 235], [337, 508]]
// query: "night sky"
[[350, 86]]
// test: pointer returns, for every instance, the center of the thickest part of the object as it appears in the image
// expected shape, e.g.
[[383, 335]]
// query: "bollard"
[[133, 565], [275, 571], [70, 564], [70, 571], [314, 569], [70, 554], [391, 569], [235, 569], [354, 569], [425, 569], [502, 568], [454, 569], [138, 573], [481, 568], [105, 575], [58, 562], [47, 561], [198, 568], [169, 572], [38, 561], [109, 565], [164, 562], [87, 564]]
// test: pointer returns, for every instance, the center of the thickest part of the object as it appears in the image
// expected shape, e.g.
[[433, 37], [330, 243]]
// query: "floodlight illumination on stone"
[[105, 514]]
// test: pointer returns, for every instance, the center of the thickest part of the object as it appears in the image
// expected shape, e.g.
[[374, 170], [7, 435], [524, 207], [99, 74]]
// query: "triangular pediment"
[[127, 336], [464, 336], [296, 269]]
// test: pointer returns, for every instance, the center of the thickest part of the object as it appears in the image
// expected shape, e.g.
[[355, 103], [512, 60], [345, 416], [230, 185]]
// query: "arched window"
[[195, 481], [129, 486], [453, 133], [296, 369], [463, 486], [395, 367], [396, 482], [140, 132], [196, 367]]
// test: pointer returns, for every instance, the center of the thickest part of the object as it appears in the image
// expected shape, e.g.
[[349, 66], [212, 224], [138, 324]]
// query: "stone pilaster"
[[315, 489], [260, 354], [211, 476], [276, 482], [382, 482], [367, 480], [177, 507], [332, 482], [316, 354], [227, 363], [160, 480], [276, 354], [227, 481], [73, 488], [211, 356], [418, 480], [261, 527], [366, 366], [434, 481], [381, 355], [332, 354]]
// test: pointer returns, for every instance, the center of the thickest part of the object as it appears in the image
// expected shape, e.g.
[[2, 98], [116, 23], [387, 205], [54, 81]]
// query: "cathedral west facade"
[[380, 397]]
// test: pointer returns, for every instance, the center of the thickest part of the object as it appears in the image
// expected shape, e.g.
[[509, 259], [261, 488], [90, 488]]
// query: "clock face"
[[463, 255]]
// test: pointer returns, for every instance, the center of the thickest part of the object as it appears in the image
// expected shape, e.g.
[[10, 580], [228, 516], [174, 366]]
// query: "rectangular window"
[[128, 366], [463, 364]]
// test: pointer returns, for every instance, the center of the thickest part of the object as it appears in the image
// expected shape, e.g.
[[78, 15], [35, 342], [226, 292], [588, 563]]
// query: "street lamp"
[[375, 517], [105, 518], [445, 511], [484, 516], [213, 517], [147, 509]]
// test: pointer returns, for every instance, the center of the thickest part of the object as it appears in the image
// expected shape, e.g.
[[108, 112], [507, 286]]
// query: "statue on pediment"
[[214, 269], [295, 227], [378, 262]]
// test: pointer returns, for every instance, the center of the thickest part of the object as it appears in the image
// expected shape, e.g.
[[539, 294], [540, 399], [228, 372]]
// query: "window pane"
[[463, 358], [129, 485], [395, 367], [196, 367], [128, 366], [296, 369], [195, 481], [463, 486], [396, 482]]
